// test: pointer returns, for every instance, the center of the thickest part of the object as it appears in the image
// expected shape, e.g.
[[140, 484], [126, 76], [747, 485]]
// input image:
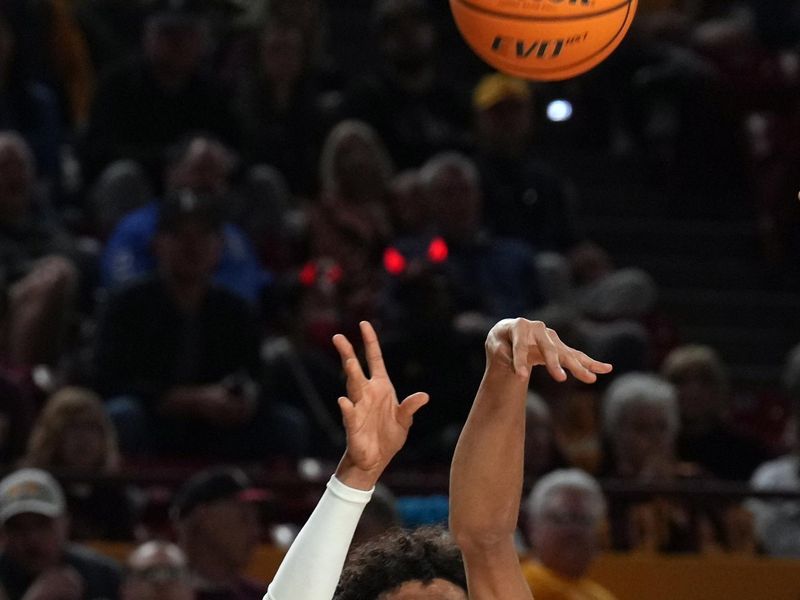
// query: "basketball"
[[545, 40]]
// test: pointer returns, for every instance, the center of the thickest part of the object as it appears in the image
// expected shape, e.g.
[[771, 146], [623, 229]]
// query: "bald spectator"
[[157, 570]]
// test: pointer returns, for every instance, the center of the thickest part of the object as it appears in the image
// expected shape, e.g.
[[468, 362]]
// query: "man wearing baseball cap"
[[37, 561], [218, 529]]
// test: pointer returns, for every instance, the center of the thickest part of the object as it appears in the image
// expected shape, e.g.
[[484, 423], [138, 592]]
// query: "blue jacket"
[[128, 255]]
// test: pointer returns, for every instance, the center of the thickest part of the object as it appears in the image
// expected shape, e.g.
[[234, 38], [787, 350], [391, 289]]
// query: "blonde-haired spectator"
[[74, 434]]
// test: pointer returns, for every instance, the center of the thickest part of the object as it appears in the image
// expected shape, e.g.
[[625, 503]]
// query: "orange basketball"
[[543, 39]]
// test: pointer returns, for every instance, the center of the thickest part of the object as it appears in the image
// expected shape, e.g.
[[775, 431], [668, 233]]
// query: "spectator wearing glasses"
[[566, 511]]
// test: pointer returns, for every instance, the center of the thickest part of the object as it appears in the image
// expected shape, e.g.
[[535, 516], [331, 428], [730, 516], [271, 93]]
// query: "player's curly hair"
[[400, 556]]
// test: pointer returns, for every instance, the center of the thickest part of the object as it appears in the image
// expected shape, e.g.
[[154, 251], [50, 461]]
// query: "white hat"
[[30, 491]]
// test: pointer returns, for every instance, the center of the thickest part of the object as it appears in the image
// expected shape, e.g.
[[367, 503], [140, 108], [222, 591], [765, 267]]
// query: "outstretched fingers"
[[550, 351], [372, 349], [582, 366], [350, 364]]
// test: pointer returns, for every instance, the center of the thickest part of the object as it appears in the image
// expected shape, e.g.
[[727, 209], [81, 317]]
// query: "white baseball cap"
[[30, 491]]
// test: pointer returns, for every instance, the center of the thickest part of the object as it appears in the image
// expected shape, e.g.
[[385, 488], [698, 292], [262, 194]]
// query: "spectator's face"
[[231, 527], [156, 573], [456, 199], [282, 54], [700, 396], [407, 203], [175, 48], [190, 253], [438, 589], [35, 542], [205, 169], [16, 180], [644, 440], [358, 168], [82, 443], [565, 533]]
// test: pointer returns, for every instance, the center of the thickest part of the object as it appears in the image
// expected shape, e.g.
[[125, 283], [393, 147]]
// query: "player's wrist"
[[355, 477]]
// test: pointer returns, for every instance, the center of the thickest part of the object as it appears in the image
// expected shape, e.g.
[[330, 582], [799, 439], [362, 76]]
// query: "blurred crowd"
[[196, 194]]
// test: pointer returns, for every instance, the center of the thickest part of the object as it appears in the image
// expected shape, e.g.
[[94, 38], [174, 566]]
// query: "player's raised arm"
[[487, 470], [377, 427]]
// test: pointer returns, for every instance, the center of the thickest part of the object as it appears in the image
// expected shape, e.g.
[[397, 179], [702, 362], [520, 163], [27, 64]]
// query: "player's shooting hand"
[[519, 344], [376, 423]]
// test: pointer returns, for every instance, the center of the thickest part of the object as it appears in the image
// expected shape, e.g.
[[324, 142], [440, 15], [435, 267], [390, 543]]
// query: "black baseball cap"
[[187, 206], [208, 486]]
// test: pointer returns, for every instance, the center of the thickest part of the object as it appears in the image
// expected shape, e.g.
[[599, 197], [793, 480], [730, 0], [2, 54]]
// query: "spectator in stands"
[[542, 453], [348, 228], [204, 166], [641, 420], [74, 433], [218, 529], [36, 262], [28, 106], [778, 521], [179, 357], [407, 100], [487, 276], [147, 103], [706, 437], [279, 105], [408, 210], [37, 563], [157, 570], [524, 199], [566, 512], [445, 286]]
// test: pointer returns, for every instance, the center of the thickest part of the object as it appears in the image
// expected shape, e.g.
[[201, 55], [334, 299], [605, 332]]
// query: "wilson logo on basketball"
[[509, 47]]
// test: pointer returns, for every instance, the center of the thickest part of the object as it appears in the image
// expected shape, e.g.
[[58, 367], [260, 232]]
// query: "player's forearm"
[[486, 475], [313, 564]]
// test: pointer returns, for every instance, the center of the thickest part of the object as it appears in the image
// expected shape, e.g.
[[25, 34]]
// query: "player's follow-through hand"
[[519, 344], [376, 423]]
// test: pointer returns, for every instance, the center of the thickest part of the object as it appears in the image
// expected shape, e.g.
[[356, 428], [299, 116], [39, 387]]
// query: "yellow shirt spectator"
[[548, 585]]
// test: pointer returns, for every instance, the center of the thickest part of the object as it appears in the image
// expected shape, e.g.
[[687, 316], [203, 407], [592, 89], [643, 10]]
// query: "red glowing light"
[[394, 262], [437, 250], [308, 274]]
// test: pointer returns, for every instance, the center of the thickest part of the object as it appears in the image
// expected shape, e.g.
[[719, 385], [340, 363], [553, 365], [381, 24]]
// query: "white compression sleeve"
[[312, 566]]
